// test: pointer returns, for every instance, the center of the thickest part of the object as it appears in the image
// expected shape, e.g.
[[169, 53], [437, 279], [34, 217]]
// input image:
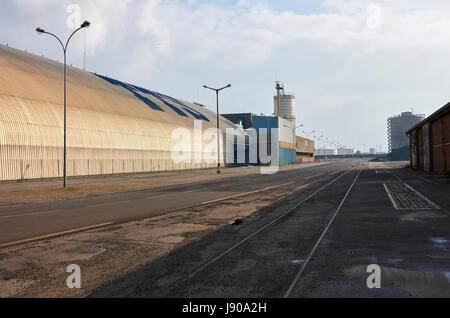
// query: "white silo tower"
[[284, 104]]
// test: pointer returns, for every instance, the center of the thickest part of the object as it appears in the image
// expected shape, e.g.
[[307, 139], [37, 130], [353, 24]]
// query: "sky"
[[351, 63]]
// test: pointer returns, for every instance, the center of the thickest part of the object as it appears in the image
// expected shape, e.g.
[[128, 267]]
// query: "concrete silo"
[[284, 104]]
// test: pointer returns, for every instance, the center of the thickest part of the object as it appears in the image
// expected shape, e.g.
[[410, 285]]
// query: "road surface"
[[22, 223], [318, 243]]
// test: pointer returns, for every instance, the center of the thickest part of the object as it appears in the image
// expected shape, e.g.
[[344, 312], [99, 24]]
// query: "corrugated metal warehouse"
[[430, 142], [113, 127]]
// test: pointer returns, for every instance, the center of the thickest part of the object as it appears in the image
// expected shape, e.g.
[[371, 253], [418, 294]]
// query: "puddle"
[[373, 259], [447, 275], [439, 240], [396, 260], [297, 261]]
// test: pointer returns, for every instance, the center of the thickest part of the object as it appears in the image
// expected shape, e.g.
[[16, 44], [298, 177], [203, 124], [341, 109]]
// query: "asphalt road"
[[24, 222], [321, 248]]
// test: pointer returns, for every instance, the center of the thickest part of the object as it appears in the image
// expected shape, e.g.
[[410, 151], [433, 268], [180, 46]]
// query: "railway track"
[[284, 215]]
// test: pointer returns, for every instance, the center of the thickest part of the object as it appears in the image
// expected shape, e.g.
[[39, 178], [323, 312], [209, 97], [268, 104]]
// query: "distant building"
[[327, 152], [242, 119], [373, 151], [264, 126], [305, 150], [346, 151], [430, 142], [397, 128]]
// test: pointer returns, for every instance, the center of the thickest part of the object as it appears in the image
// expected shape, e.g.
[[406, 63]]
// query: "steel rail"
[[311, 254], [265, 227]]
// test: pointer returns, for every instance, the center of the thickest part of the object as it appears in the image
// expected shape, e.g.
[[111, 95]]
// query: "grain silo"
[[284, 104]]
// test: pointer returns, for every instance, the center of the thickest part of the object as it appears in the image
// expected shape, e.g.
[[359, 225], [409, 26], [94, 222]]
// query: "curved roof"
[[102, 112]]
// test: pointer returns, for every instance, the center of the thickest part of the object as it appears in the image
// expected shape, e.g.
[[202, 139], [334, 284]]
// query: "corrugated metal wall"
[[441, 144], [110, 129]]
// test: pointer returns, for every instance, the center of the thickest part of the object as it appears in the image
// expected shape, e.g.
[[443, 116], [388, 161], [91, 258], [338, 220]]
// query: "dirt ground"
[[39, 269]]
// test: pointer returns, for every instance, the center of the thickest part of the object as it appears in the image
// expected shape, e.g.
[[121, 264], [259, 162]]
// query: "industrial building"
[[346, 151], [113, 127], [327, 152], [430, 142], [305, 150], [264, 126], [397, 128], [284, 120], [244, 120]]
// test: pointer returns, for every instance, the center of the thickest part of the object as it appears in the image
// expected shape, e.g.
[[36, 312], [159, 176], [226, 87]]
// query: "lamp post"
[[309, 133], [39, 31], [325, 144], [217, 90]]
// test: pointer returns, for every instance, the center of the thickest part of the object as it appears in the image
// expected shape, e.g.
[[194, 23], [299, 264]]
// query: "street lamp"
[[217, 90], [40, 31], [309, 133]]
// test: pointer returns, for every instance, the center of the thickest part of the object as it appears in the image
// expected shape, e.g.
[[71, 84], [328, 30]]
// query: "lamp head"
[[40, 31], [86, 24]]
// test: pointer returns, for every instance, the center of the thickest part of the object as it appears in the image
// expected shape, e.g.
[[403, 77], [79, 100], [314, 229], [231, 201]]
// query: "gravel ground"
[[39, 269]]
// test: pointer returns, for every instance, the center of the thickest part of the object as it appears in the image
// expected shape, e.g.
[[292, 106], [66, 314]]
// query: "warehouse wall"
[[287, 153], [305, 150], [441, 144], [113, 127], [430, 142]]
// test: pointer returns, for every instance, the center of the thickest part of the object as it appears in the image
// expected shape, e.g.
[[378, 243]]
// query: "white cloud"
[[249, 34], [333, 59]]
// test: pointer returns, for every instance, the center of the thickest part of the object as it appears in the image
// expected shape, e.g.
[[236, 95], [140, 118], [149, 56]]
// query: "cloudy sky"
[[351, 63]]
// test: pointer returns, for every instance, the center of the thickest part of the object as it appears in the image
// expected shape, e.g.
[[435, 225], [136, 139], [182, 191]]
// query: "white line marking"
[[10, 206], [246, 193], [423, 197], [297, 277], [39, 238], [162, 196], [433, 204], [106, 204], [27, 214], [390, 196]]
